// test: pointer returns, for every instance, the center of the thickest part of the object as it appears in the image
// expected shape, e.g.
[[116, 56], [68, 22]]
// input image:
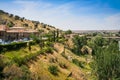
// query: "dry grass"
[[41, 66]]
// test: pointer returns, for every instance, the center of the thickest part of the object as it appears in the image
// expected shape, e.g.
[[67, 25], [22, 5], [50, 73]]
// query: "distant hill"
[[11, 20]]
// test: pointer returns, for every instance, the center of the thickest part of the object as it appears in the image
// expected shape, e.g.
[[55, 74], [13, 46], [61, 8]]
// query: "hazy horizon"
[[68, 14]]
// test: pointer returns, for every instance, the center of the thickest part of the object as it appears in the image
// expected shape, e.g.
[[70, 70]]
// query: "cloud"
[[66, 16]]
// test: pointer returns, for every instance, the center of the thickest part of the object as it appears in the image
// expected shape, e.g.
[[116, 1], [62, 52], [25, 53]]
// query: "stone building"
[[15, 33]]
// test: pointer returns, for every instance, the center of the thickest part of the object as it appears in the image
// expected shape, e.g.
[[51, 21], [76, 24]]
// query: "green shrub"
[[2, 65], [47, 43], [53, 69], [63, 54], [12, 46], [78, 63], [48, 50]]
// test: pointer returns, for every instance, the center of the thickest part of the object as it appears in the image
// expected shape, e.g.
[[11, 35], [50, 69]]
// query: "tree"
[[54, 36], [10, 24], [96, 42], [2, 12], [17, 17], [107, 63], [11, 15], [57, 35], [68, 32], [78, 43]]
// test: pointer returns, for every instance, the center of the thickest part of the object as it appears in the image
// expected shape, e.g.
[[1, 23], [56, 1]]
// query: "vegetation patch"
[[53, 69], [78, 63], [12, 46]]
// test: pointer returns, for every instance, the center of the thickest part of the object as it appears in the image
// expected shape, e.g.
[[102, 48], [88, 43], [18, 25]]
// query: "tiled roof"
[[16, 29], [3, 27], [23, 31]]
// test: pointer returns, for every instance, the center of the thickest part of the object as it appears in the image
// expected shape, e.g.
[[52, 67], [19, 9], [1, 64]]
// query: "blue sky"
[[68, 14]]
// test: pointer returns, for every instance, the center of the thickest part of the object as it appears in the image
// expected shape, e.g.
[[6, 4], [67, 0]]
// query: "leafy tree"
[[10, 24], [35, 38], [11, 15], [17, 17], [57, 35], [107, 63], [95, 34], [2, 12], [96, 42], [54, 36], [78, 43], [68, 32]]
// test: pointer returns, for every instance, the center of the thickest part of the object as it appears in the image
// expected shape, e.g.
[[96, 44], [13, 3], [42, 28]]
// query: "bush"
[[47, 43], [2, 65], [10, 24], [78, 63], [48, 50], [12, 46], [63, 54], [53, 70]]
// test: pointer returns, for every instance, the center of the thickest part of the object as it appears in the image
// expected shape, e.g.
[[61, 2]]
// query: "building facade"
[[16, 33]]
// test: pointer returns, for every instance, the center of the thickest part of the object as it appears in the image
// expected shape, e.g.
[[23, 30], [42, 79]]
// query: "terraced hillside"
[[38, 67]]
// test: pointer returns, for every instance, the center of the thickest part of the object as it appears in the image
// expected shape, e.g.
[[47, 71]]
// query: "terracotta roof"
[[3, 27], [16, 29], [23, 31]]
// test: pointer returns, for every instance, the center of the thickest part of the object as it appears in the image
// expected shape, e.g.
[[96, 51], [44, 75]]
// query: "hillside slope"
[[40, 67], [13, 20]]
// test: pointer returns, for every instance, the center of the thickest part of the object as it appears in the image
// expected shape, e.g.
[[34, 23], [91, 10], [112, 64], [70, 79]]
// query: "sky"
[[68, 14]]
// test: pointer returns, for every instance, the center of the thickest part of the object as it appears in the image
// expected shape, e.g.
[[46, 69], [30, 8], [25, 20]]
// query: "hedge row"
[[14, 46]]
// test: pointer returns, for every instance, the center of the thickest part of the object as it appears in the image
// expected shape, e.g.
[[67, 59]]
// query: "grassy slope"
[[39, 67], [22, 52]]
